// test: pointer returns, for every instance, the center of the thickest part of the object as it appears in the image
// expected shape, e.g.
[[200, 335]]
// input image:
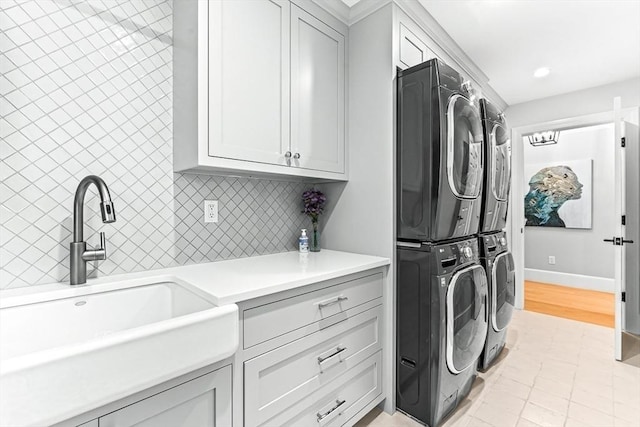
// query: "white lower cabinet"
[[311, 356], [316, 368], [204, 401], [279, 379]]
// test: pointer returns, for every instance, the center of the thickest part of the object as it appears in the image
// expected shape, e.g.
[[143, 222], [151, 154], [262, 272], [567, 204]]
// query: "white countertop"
[[242, 279], [222, 283]]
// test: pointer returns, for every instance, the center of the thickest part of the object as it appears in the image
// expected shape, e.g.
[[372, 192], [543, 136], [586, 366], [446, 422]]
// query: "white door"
[[631, 228], [202, 402], [626, 258], [249, 80], [317, 94]]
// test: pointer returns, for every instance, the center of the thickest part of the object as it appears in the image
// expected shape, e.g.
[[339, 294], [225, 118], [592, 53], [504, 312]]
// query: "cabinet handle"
[[337, 300], [296, 156], [339, 403], [335, 353], [287, 155]]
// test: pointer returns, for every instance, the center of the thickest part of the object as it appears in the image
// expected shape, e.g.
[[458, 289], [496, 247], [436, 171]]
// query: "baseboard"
[[594, 283]]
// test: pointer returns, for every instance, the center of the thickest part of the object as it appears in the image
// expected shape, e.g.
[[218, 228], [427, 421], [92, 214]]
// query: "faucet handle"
[[103, 243], [99, 253]]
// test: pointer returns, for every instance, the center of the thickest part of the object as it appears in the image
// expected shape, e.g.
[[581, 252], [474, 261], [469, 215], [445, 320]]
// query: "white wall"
[[359, 216], [577, 251]]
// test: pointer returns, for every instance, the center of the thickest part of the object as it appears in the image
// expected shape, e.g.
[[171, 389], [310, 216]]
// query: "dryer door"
[[464, 148], [500, 162], [503, 280], [466, 317]]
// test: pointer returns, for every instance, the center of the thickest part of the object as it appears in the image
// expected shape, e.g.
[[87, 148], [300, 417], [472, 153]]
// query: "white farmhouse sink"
[[68, 351]]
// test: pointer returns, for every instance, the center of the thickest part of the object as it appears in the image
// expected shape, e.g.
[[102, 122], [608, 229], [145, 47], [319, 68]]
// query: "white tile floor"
[[553, 372]]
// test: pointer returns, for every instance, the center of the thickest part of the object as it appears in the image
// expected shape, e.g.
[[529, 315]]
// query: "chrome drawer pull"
[[335, 301], [339, 403], [335, 353]]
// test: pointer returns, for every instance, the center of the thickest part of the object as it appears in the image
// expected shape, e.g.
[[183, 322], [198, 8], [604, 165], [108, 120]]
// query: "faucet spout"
[[106, 205], [79, 253]]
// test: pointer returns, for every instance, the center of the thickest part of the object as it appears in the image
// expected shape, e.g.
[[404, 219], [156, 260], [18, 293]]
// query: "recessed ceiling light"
[[541, 72]]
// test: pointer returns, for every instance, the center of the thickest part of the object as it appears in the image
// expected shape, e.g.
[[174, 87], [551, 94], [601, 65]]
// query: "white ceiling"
[[585, 43]]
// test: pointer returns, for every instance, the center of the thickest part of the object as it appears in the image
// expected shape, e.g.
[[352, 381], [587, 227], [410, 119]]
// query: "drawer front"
[[279, 379], [336, 403], [323, 307]]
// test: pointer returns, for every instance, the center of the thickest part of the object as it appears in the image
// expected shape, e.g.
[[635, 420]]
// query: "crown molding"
[[337, 8], [351, 15], [364, 8], [417, 12]]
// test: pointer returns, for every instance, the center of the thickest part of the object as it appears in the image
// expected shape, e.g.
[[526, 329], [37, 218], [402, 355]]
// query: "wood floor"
[[571, 303]]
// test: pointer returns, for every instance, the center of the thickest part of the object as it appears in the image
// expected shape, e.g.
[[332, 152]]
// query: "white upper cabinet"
[[259, 88], [412, 50], [249, 80], [317, 93]]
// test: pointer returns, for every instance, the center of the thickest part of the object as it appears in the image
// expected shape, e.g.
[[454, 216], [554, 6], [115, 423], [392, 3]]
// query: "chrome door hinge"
[[624, 220], [624, 297], [623, 142]]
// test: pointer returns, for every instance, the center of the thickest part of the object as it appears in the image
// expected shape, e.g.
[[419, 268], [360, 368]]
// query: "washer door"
[[500, 162], [503, 280], [464, 148], [466, 317]]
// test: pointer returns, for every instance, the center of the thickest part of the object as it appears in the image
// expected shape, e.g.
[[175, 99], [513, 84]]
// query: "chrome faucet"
[[79, 253]]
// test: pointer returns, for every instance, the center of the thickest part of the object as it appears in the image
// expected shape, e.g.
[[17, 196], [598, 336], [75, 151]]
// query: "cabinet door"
[[201, 402], [317, 94], [412, 50], [249, 80]]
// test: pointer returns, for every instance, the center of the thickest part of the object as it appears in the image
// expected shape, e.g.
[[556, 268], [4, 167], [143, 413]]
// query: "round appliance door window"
[[464, 148], [466, 317], [503, 289], [500, 162]]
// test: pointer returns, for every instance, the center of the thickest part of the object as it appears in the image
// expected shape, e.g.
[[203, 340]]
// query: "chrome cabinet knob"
[[296, 156], [287, 155]]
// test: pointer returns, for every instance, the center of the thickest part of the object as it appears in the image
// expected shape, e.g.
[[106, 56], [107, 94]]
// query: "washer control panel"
[[453, 255]]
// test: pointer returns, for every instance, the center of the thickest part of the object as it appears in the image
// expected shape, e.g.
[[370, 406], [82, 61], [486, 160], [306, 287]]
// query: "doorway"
[[517, 220], [568, 182]]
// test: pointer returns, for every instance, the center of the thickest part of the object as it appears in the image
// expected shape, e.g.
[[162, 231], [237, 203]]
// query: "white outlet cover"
[[210, 211]]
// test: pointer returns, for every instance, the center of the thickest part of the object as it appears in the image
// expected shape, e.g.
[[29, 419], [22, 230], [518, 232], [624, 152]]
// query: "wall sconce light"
[[544, 138]]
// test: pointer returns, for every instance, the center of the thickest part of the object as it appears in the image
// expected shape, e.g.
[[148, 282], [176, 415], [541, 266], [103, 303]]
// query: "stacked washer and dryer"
[[494, 251], [445, 304]]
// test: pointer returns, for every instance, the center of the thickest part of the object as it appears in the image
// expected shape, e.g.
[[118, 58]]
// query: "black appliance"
[[441, 326], [498, 264], [497, 172], [439, 155]]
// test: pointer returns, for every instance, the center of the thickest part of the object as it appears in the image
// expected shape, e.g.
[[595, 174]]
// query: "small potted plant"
[[314, 201]]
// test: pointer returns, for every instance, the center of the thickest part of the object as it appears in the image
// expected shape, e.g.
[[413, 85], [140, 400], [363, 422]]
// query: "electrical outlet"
[[552, 259], [210, 211]]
